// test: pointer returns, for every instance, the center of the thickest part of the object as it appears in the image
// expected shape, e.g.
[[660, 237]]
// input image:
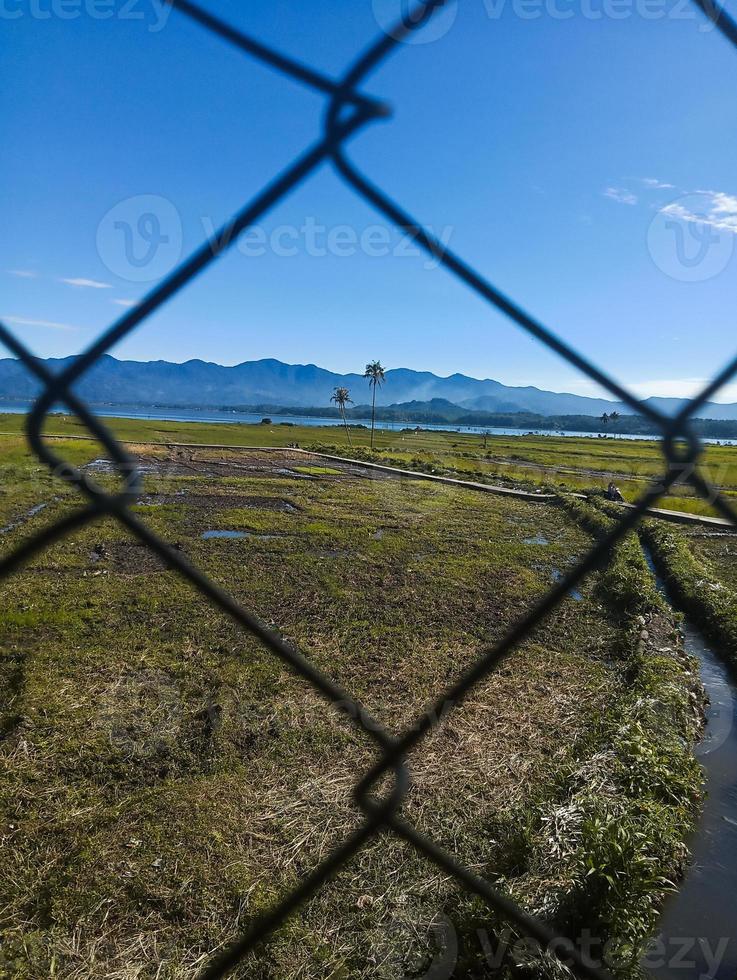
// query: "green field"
[[163, 779], [532, 462]]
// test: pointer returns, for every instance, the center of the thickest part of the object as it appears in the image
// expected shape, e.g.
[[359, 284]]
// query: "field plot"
[[533, 462], [164, 779]]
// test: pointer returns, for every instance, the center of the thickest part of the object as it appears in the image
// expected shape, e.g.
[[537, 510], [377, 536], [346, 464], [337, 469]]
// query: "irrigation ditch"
[[701, 915], [697, 930]]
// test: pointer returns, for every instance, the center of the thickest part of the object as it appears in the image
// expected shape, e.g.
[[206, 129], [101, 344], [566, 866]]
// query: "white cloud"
[[713, 208], [658, 185], [124, 302], [87, 283], [22, 273], [22, 321], [620, 194]]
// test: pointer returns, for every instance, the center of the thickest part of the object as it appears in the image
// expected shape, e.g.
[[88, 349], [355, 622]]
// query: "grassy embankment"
[[700, 572], [657, 727], [532, 462], [162, 779]]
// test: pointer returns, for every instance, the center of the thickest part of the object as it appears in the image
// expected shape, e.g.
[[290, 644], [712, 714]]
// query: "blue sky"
[[541, 147]]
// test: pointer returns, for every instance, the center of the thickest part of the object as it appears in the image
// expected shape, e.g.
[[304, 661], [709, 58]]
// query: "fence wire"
[[348, 111]]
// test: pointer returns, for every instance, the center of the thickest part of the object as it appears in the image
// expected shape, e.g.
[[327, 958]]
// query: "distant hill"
[[203, 384]]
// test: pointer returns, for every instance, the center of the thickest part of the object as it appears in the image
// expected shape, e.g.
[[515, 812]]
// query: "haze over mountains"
[[271, 382]]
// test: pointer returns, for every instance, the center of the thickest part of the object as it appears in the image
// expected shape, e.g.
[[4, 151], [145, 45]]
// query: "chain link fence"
[[349, 110]]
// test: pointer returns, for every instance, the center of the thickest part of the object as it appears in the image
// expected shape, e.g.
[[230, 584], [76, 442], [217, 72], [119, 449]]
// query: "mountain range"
[[198, 383]]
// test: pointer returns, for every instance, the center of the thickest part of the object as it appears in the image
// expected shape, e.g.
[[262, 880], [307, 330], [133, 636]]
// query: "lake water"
[[244, 418]]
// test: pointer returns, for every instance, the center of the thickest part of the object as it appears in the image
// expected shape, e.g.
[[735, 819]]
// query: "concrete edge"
[[682, 517], [448, 480]]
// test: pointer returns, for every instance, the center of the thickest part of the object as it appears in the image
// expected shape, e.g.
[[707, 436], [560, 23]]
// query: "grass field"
[[163, 779], [532, 462]]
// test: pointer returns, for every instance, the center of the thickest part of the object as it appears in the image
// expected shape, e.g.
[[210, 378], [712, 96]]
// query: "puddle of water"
[[241, 534], [295, 474], [21, 520], [159, 499], [538, 539], [699, 923], [557, 576], [224, 534], [156, 467]]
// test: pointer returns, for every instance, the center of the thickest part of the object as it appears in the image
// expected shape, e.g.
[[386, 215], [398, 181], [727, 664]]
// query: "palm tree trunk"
[[345, 423], [373, 414]]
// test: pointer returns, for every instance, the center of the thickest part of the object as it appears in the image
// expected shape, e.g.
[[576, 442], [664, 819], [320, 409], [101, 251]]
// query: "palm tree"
[[341, 397], [604, 419], [614, 416], [375, 374]]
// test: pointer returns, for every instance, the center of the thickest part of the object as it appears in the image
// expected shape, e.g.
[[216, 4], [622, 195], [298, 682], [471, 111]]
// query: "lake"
[[246, 418]]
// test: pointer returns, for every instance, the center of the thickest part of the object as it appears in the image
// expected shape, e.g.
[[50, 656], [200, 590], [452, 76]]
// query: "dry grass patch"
[[163, 779]]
